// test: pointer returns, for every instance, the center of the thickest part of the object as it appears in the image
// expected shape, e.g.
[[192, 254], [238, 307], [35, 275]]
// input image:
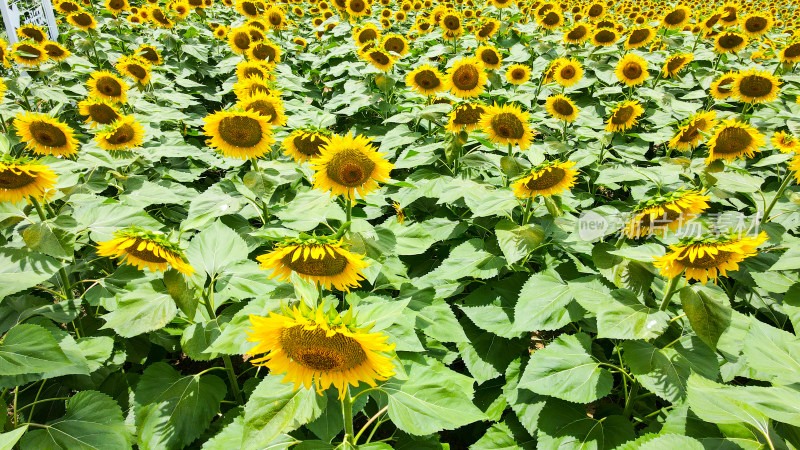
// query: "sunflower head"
[[624, 116], [755, 86], [28, 53], [33, 32], [305, 143], [487, 28], [55, 51], [269, 106], [757, 24], [145, 249], [136, 68], [149, 54], [632, 70], [730, 42], [507, 124], [239, 134], [239, 40], [604, 37], [265, 50], [691, 134], [98, 111], [21, 178], [518, 74], [82, 20], [349, 164], [395, 43], [791, 53], [666, 212], [732, 140], [125, 133], [107, 86], [676, 18], [467, 78], [675, 63], [546, 179], [465, 117], [489, 56], [785, 142], [379, 58], [562, 108], [569, 72], [319, 347], [426, 79], [46, 135], [253, 85], [722, 87], [577, 34]]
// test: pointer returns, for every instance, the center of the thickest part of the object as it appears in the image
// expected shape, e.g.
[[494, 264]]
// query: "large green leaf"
[[718, 403], [773, 351], [491, 306], [148, 307], [172, 410], [545, 303], [516, 241], [28, 348], [215, 248], [627, 318], [566, 425], [708, 318], [9, 440], [21, 269]]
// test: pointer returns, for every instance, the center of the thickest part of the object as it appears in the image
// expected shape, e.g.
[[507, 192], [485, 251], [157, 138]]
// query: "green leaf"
[[565, 425], [545, 303], [708, 318], [467, 260], [49, 240], [487, 356], [641, 253], [773, 351], [627, 318], [516, 241], [92, 420], [21, 269], [566, 369], [179, 290], [275, 408], [172, 410], [308, 209], [30, 348], [219, 200], [491, 306], [9, 439], [434, 317], [215, 248], [718, 403], [672, 441], [148, 307]]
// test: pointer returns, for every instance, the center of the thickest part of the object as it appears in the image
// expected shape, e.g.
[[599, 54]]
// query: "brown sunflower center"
[[251, 72], [308, 144], [730, 41], [249, 8], [466, 77], [577, 33], [732, 141], [327, 265], [452, 23], [82, 19], [486, 30], [508, 126], [54, 51], [144, 254], [724, 85], [549, 178], [30, 50], [622, 115], [47, 134], [317, 351], [350, 167], [468, 115], [264, 52], [379, 57], [68, 7], [241, 40], [490, 57], [394, 44], [595, 10], [427, 79], [518, 74], [675, 17], [109, 86], [567, 72], [11, 180], [122, 135], [755, 86], [675, 63], [138, 72], [240, 131], [264, 108], [563, 107], [689, 135], [755, 24], [275, 19], [103, 114], [367, 35], [639, 36], [707, 261], [792, 51], [34, 34], [357, 6], [256, 35], [632, 70], [551, 18]]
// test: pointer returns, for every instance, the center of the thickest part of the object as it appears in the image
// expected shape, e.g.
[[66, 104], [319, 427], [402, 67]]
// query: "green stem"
[[510, 150], [564, 132], [347, 412], [349, 210], [369, 422], [237, 393], [784, 184], [62, 272], [673, 283]]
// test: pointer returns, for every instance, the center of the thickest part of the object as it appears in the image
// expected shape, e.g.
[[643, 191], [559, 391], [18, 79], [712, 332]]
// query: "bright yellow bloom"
[[145, 249], [21, 179], [546, 179], [349, 164]]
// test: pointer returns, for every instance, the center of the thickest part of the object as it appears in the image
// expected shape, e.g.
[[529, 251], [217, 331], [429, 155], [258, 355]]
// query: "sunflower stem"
[[237, 393], [510, 150], [786, 181], [347, 412], [62, 272], [564, 132], [349, 210], [673, 283]]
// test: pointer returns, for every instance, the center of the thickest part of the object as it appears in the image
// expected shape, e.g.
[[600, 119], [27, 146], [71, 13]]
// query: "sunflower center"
[[508, 126], [466, 77], [367, 35], [707, 261], [379, 57], [486, 30], [31, 50], [394, 44], [489, 57], [427, 79], [144, 254], [264, 52], [326, 266], [275, 19], [249, 8], [54, 51], [755, 24], [577, 33], [264, 108], [149, 54], [552, 18], [518, 74], [724, 85], [549, 178], [34, 34], [48, 134], [122, 135], [109, 86], [632, 70], [350, 167], [451, 23], [357, 6], [253, 72], [240, 131], [83, 19], [639, 36], [730, 41], [567, 72], [468, 115], [137, 71], [103, 114], [792, 51], [317, 351], [595, 10], [675, 17], [241, 40], [623, 115], [11, 180], [675, 63], [733, 141], [68, 7], [308, 145], [605, 36], [755, 86], [690, 134], [563, 107]]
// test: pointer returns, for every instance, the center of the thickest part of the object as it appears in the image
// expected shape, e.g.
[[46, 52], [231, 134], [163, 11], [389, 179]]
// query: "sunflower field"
[[401, 224]]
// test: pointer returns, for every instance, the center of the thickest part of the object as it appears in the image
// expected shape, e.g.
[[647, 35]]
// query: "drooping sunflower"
[[55, 51], [305, 144], [624, 116], [676, 18], [489, 56], [546, 179], [28, 53], [666, 212], [577, 34], [487, 28], [349, 164], [149, 54], [722, 87], [507, 124], [755, 86], [733, 139], [98, 112], [45, 135], [145, 249], [124, 133], [426, 79], [757, 24], [785, 142], [82, 20], [136, 68], [691, 134], [31, 31], [265, 51], [465, 117], [562, 108], [604, 37], [239, 134], [518, 74], [569, 72], [790, 53], [675, 63], [632, 70], [21, 178], [105, 85], [314, 346], [467, 78], [379, 58], [639, 37], [269, 106], [708, 257], [729, 42]]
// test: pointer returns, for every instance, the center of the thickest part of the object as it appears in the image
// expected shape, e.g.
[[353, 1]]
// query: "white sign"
[[21, 12]]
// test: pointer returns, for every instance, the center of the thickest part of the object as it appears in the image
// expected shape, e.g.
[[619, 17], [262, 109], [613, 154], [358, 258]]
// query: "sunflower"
[[248, 8], [149, 54], [357, 8], [379, 58], [4, 60], [239, 40], [507, 124], [546, 179], [82, 20], [136, 68], [518, 74], [489, 56], [395, 43], [257, 68], [467, 78], [550, 20], [348, 164], [756, 24], [252, 86], [604, 37], [666, 212], [312, 346], [67, 6], [722, 87], [675, 63], [125, 133], [729, 42], [791, 53], [708, 257], [561, 107], [676, 18], [265, 51], [487, 28], [733, 140], [22, 178], [690, 135], [182, 9], [144, 248], [624, 116], [55, 51], [755, 86], [367, 33], [98, 111], [451, 24], [116, 7], [239, 134], [577, 34], [2, 90], [31, 31], [300, 42], [639, 37], [45, 135], [107, 86], [632, 70], [465, 117], [785, 142], [28, 53], [730, 14], [275, 18], [303, 144], [269, 106], [569, 72], [426, 79]]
